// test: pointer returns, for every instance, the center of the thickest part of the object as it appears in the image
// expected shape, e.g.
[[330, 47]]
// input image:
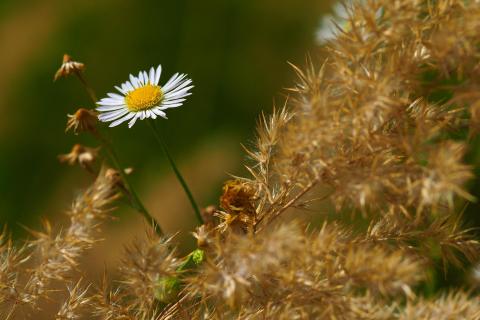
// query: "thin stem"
[[90, 91], [162, 143], [286, 206], [135, 201]]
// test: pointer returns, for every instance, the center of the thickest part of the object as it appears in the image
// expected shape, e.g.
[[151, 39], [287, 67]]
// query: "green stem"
[[167, 289], [175, 169], [134, 199], [90, 91]]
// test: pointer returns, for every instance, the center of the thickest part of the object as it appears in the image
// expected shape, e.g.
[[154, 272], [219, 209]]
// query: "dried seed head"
[[115, 178], [238, 201], [475, 118], [208, 215], [454, 305], [202, 234], [149, 270], [238, 197], [56, 254], [84, 156], [83, 120], [68, 67], [227, 221], [77, 300]]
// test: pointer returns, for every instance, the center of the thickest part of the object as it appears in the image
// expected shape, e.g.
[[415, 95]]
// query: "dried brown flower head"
[[115, 178], [84, 156], [203, 235], [208, 215], [238, 197], [83, 120], [68, 67], [238, 200]]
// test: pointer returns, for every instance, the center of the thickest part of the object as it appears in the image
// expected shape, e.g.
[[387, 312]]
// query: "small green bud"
[[195, 258], [198, 256], [167, 289]]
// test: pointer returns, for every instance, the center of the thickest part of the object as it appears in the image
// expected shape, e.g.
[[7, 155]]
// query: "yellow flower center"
[[144, 98]]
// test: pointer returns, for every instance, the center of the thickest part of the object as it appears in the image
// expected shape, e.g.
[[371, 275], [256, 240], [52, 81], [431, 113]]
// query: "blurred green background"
[[236, 52]]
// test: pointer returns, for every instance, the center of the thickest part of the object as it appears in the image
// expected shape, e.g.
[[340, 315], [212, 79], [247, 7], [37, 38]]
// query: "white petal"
[[151, 114], [122, 90], [134, 81], [151, 77], [168, 101], [129, 86], [109, 116], [157, 74], [160, 113], [109, 102], [172, 101], [168, 106], [183, 84], [179, 88], [134, 119], [110, 108], [173, 82], [121, 120], [140, 78], [115, 96], [178, 94], [145, 78]]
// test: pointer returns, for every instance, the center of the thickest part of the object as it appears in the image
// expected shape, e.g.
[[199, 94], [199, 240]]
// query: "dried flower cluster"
[[376, 137], [145, 271], [83, 120], [53, 255], [381, 128]]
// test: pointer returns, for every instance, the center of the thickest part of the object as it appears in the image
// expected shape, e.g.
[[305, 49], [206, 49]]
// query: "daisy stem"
[[134, 199], [162, 143]]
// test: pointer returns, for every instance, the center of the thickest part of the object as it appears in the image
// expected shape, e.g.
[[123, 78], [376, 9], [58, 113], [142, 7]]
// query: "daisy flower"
[[142, 97]]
